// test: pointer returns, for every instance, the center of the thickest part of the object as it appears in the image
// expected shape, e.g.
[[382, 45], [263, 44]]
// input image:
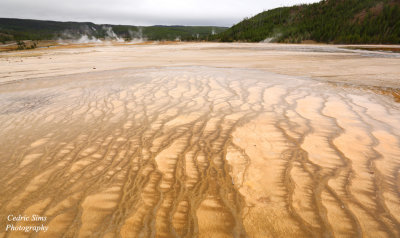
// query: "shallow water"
[[199, 151]]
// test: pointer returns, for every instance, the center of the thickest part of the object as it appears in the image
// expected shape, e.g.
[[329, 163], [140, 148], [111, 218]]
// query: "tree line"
[[329, 21]]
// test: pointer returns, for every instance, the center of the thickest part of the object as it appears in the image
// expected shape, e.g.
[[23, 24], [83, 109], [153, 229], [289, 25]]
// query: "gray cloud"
[[134, 12]]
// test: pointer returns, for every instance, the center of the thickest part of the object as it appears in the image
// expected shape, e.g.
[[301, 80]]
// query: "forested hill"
[[12, 29], [329, 21]]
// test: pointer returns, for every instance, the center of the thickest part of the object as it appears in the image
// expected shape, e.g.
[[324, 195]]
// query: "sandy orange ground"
[[201, 140]]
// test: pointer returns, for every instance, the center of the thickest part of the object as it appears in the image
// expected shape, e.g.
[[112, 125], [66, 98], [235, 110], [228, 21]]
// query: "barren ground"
[[201, 140]]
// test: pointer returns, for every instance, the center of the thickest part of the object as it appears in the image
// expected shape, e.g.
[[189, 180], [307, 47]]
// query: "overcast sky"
[[136, 12]]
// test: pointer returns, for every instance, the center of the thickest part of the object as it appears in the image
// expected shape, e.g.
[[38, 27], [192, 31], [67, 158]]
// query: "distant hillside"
[[329, 21], [22, 29], [185, 33]]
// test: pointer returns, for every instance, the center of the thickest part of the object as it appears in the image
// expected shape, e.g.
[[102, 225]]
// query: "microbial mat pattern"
[[199, 152]]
